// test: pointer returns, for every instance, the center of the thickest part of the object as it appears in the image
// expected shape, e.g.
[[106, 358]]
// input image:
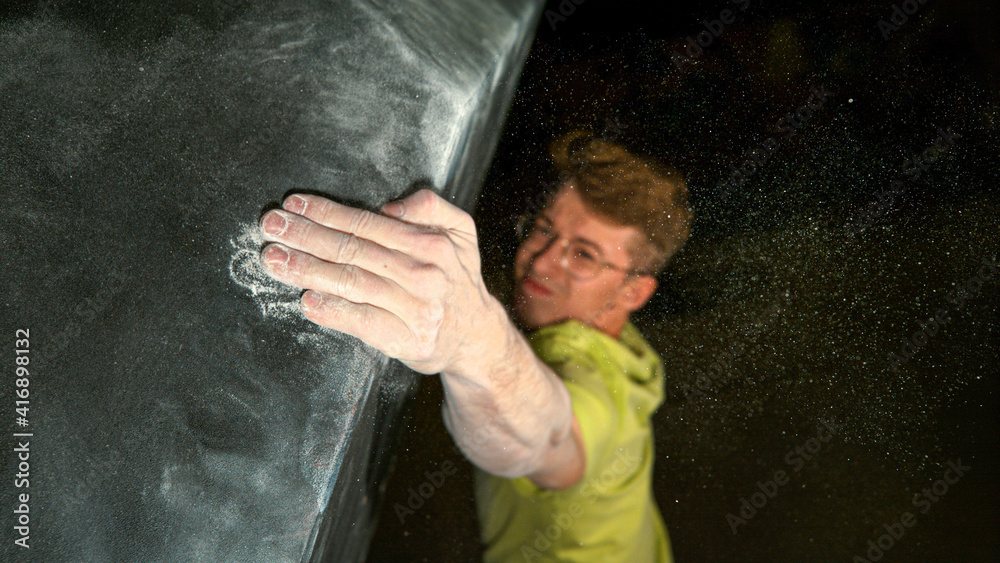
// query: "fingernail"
[[393, 209], [294, 203], [311, 300], [275, 255], [274, 223]]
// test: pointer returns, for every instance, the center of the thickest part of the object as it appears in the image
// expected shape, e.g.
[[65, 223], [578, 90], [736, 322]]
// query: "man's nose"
[[549, 258]]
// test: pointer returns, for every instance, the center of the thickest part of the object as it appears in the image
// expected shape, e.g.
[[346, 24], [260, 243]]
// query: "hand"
[[406, 281]]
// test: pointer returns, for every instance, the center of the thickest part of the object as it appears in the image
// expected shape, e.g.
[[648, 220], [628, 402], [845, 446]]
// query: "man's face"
[[546, 293]]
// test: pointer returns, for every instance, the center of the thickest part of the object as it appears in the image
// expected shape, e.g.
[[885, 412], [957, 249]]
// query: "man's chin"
[[525, 314]]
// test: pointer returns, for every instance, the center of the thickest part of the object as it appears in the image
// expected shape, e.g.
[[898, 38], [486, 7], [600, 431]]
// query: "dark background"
[[851, 299]]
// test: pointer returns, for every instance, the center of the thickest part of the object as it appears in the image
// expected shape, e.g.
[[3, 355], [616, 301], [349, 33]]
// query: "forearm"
[[508, 411]]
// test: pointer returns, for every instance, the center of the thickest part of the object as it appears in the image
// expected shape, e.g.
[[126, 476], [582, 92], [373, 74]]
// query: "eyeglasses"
[[581, 259]]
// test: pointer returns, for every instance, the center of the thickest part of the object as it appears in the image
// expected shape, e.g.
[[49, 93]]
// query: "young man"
[[559, 428]]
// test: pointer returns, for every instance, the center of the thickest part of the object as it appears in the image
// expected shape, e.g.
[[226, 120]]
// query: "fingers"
[[342, 280], [427, 208], [373, 326], [379, 244], [384, 231], [376, 327], [331, 245]]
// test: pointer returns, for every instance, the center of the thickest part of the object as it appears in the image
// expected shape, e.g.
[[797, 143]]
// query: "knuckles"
[[393, 349], [349, 249], [360, 221], [424, 201], [432, 317], [424, 345], [432, 277], [467, 223], [347, 281], [436, 246], [427, 203], [425, 330]]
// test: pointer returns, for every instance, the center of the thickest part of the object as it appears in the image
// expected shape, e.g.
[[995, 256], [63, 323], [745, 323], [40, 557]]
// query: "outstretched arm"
[[408, 282]]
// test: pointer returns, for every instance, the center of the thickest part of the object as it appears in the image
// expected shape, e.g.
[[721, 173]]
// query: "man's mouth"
[[532, 287]]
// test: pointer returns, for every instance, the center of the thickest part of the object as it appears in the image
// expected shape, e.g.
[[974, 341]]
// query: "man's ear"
[[637, 291]]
